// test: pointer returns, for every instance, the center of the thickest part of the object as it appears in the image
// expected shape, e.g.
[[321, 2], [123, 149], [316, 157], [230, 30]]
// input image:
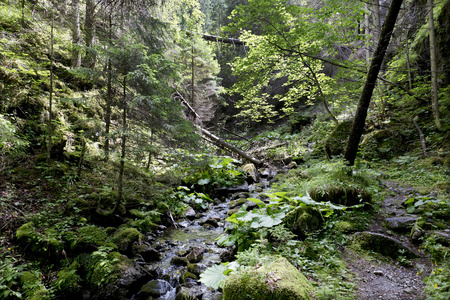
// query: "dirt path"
[[387, 278]]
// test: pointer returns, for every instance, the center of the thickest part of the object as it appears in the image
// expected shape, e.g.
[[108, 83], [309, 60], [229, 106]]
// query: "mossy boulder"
[[383, 143], [111, 274], [89, 238], [280, 280], [45, 244], [304, 220], [33, 287], [125, 237], [335, 144], [342, 194]]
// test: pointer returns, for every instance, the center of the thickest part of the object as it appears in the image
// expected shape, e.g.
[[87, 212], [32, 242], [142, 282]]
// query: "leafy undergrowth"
[[263, 234], [51, 230]]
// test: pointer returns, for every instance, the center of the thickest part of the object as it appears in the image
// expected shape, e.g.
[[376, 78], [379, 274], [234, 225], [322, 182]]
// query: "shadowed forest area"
[[224, 149]]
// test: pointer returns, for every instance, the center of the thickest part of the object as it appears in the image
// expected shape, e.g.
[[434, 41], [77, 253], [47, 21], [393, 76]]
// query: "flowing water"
[[191, 236]]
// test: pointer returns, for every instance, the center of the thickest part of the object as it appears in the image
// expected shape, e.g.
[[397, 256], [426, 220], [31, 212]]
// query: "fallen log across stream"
[[214, 138]]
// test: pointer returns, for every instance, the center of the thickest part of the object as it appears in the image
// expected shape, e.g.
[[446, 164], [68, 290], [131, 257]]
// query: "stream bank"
[[187, 248]]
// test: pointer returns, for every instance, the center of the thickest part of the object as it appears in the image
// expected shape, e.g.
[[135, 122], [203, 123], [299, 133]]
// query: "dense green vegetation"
[[100, 105]]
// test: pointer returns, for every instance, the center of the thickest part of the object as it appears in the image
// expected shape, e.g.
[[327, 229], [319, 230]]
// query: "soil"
[[386, 278]]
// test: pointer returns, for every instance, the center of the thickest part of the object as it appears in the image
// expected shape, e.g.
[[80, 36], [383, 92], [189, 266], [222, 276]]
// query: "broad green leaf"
[[204, 181], [257, 201], [214, 276]]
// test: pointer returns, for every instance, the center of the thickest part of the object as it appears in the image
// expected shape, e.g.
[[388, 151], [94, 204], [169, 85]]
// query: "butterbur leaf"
[[214, 276], [203, 181]]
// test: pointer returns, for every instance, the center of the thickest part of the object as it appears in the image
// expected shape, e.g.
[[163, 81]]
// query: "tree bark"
[[89, 34], [214, 38], [376, 19], [76, 34], [367, 32], [50, 104], [434, 89], [109, 96], [369, 85]]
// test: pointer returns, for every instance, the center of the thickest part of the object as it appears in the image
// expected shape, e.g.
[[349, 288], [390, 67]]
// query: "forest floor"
[[380, 277]]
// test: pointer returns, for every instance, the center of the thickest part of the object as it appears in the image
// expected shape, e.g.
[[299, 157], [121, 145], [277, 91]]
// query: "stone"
[[210, 221], [125, 237], [155, 288], [280, 280], [252, 173], [179, 261], [148, 253], [190, 293], [189, 213], [401, 224], [195, 255]]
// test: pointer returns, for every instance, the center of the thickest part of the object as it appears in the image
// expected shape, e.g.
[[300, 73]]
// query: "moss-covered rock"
[[125, 237], [335, 144], [304, 220], [46, 244], [33, 287], [280, 281], [89, 238], [68, 280], [384, 144], [340, 194], [189, 275]]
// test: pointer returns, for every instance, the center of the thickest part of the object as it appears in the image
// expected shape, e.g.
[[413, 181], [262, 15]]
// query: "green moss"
[[105, 268], [344, 227], [124, 237], [280, 281], [340, 194], [88, 237], [33, 287], [26, 232], [304, 220], [68, 280], [187, 275], [335, 144]]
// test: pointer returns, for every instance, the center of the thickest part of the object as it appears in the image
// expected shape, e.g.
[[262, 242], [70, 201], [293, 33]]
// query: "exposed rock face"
[[280, 281]]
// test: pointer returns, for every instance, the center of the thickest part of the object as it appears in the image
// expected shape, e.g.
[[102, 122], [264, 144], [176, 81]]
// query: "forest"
[[224, 149]]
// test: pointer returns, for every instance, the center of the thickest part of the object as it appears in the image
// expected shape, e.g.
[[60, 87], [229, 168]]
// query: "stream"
[[186, 251]]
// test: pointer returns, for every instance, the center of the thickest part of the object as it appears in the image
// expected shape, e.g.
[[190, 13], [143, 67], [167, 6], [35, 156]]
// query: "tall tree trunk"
[[122, 155], [376, 20], [369, 85], [192, 77], [109, 95], [367, 32], [89, 34], [76, 34], [434, 89], [50, 105]]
